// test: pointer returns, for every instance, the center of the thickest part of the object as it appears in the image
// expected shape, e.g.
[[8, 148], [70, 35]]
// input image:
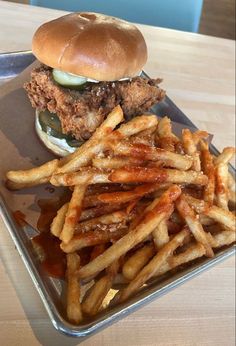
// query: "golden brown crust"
[[92, 45]]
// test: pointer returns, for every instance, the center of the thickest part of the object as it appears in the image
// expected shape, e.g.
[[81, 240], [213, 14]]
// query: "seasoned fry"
[[191, 149], [99, 211], [149, 270], [226, 156], [74, 312], [91, 238], [80, 178], [107, 219], [160, 234], [127, 196], [164, 135], [193, 223], [209, 170], [115, 162], [198, 135], [231, 189], [59, 220], [137, 261], [157, 211], [93, 301], [145, 174], [83, 155], [195, 251], [135, 125], [31, 177], [222, 194], [224, 217], [73, 213], [146, 152]]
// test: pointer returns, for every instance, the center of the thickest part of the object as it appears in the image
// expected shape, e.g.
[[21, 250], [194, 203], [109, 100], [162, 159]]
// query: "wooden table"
[[198, 74]]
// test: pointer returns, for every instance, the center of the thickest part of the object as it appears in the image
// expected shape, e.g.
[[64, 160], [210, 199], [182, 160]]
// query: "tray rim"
[[120, 311]]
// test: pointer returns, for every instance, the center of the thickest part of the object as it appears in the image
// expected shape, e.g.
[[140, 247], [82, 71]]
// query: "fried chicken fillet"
[[82, 111]]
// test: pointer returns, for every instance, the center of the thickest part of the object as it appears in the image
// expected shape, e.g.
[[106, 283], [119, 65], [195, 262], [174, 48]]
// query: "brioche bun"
[[92, 45]]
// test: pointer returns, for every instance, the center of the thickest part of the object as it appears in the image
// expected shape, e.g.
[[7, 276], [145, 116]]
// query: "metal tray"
[[49, 289]]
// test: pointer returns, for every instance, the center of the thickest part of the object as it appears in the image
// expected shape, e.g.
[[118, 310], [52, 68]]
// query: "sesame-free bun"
[[92, 45]]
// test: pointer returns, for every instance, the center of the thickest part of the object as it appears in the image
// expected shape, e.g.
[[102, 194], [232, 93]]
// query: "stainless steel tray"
[[49, 289]]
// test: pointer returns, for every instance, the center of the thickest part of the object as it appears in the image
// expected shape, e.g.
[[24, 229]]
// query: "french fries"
[[194, 224], [190, 148], [59, 220], [73, 213], [208, 169], [145, 174], [149, 270], [158, 210], [74, 312], [31, 177], [137, 261], [222, 194], [134, 208], [164, 135]]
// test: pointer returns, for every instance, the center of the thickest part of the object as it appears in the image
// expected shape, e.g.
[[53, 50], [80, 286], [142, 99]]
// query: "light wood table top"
[[198, 73]]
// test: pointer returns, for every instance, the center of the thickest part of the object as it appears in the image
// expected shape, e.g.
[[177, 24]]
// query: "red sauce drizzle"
[[54, 262]]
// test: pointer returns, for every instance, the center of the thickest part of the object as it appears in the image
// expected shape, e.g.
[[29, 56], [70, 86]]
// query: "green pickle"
[[50, 123], [68, 80]]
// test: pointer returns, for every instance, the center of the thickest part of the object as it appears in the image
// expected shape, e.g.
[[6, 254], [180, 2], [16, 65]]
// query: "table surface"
[[198, 73]]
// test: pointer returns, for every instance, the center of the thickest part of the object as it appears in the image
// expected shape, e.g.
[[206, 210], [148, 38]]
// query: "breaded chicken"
[[82, 111]]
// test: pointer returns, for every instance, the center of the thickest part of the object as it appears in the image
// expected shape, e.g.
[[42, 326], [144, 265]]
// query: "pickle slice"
[[68, 80], [50, 123]]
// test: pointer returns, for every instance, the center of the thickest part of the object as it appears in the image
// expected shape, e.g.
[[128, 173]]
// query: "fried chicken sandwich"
[[90, 63]]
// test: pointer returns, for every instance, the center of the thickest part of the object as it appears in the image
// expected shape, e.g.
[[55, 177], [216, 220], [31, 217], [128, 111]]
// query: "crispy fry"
[[59, 220], [156, 262], [127, 196], [31, 177], [94, 299], [195, 251], [80, 178], [146, 152], [224, 217], [160, 234], [107, 219], [226, 156], [91, 238], [231, 189], [74, 312], [164, 135], [193, 223], [145, 174], [157, 211], [209, 170], [136, 125], [191, 149], [115, 162], [137, 261], [73, 213], [99, 211], [198, 135], [222, 194]]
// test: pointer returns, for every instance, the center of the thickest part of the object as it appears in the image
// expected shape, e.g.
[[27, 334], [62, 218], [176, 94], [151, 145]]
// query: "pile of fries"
[[145, 202]]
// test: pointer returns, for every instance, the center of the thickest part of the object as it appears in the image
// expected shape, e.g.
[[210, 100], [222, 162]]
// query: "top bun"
[[92, 45]]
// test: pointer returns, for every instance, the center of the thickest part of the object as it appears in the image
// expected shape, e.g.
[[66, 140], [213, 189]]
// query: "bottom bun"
[[57, 145]]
